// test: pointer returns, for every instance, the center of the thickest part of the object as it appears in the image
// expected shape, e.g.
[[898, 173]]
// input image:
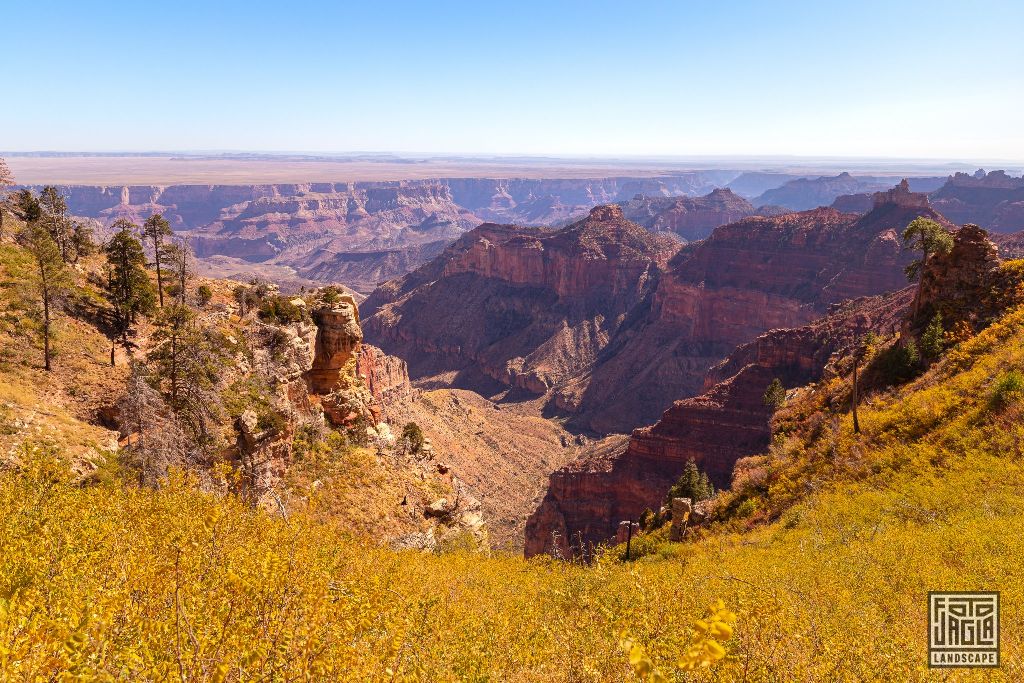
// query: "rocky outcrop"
[[807, 193], [964, 284], [854, 203], [363, 233], [587, 499], [595, 318], [747, 277], [692, 218], [338, 337], [992, 200], [523, 306], [386, 377]]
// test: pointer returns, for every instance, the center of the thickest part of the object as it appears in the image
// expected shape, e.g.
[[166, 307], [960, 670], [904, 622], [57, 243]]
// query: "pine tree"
[[158, 231], [82, 240], [928, 237], [178, 256], [26, 205], [774, 395], [156, 441], [55, 218], [933, 340], [129, 290], [186, 357], [692, 483], [51, 279]]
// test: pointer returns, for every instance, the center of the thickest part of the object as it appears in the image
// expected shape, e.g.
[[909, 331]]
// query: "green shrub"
[[204, 294], [1007, 389], [330, 294], [897, 364], [280, 310], [413, 436], [933, 340]]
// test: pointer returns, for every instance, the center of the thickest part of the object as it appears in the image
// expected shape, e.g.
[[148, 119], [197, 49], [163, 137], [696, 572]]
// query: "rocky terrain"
[[359, 233], [994, 200], [807, 193], [523, 307], [691, 218], [611, 341], [615, 481]]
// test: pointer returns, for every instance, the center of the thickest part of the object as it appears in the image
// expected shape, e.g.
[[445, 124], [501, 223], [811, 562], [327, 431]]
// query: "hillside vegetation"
[[109, 581], [814, 567]]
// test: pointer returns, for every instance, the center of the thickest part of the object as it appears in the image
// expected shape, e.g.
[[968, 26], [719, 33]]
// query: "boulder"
[[681, 511]]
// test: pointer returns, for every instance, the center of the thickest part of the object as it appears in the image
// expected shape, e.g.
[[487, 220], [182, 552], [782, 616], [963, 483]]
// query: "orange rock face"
[[527, 307], [387, 377]]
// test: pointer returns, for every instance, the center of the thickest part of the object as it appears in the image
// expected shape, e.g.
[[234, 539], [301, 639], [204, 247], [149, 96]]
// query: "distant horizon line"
[[313, 155]]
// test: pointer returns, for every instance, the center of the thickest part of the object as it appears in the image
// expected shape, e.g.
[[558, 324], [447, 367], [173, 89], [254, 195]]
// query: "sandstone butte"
[[588, 498], [610, 324], [691, 218], [994, 200]]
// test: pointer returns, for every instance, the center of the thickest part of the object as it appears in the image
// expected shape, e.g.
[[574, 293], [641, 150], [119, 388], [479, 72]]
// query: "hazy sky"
[[931, 79]]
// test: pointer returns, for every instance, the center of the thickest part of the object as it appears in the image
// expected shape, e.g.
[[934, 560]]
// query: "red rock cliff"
[[586, 500]]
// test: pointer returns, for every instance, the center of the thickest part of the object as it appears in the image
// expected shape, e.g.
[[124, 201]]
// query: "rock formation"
[[597, 319], [963, 285], [523, 306], [994, 200], [692, 218], [586, 500], [363, 233], [338, 337], [746, 278], [807, 193]]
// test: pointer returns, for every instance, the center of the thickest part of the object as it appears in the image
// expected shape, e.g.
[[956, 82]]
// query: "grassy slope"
[[145, 585]]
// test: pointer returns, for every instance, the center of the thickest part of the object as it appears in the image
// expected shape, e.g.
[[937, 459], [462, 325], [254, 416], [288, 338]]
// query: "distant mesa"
[[994, 200], [807, 193], [691, 218]]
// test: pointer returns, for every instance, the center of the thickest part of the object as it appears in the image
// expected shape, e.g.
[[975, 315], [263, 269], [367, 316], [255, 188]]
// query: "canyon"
[[608, 323], [993, 200], [690, 218], [618, 480], [362, 233]]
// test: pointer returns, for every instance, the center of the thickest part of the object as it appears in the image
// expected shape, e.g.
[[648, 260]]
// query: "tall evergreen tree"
[[178, 256], [158, 231], [186, 356], [82, 240], [55, 218], [26, 205], [692, 484], [51, 279], [928, 237], [129, 290]]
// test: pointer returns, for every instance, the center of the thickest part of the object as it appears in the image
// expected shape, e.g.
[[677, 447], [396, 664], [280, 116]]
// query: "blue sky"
[[901, 79]]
